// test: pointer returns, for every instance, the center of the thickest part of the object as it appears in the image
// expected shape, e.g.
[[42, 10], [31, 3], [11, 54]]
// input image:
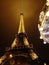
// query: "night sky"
[[9, 22]]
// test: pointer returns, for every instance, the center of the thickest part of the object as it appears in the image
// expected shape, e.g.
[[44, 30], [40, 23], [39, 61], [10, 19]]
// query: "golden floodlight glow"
[[33, 56], [0, 60], [10, 55], [48, 0], [20, 30], [26, 43], [21, 26], [14, 43], [45, 64]]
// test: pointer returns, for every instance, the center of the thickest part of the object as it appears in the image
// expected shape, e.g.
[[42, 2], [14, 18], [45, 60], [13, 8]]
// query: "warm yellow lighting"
[[2, 58], [48, 0], [21, 26], [33, 55], [0, 61], [14, 43], [10, 55], [45, 64], [26, 43]]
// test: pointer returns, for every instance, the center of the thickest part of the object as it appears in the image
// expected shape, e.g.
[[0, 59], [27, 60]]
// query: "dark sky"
[[9, 22]]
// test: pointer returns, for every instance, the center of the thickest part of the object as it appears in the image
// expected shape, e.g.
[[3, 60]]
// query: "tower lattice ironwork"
[[19, 49]]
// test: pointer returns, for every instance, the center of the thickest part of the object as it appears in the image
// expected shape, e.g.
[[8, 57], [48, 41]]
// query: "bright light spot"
[[44, 42], [47, 14], [48, 0], [45, 64], [41, 29], [10, 55], [41, 37]]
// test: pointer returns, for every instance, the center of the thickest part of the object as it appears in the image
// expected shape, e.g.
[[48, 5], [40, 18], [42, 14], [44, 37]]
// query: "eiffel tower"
[[20, 50]]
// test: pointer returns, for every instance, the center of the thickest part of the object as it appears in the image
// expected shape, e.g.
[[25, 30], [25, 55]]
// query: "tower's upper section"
[[21, 25]]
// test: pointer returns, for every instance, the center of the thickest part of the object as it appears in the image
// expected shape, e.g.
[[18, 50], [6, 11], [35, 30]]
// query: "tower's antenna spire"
[[21, 25]]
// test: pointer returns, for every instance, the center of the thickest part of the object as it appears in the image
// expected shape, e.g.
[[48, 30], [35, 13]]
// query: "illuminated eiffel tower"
[[21, 39], [19, 49]]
